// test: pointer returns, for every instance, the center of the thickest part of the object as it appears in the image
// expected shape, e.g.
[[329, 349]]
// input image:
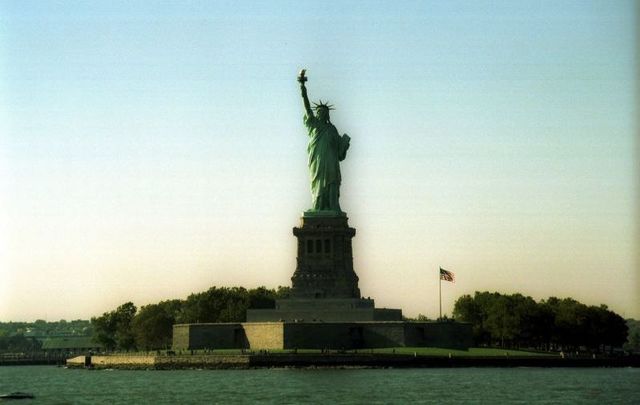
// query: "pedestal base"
[[319, 335], [324, 310]]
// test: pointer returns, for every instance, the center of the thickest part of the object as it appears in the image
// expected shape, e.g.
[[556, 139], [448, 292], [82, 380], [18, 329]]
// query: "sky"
[[149, 150]]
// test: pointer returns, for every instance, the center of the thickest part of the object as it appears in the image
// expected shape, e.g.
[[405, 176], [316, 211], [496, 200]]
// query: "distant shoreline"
[[349, 360]]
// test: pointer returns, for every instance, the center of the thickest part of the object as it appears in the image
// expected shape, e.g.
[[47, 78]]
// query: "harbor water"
[[56, 385]]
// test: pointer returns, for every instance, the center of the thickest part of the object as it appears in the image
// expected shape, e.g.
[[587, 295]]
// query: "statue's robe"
[[326, 149]]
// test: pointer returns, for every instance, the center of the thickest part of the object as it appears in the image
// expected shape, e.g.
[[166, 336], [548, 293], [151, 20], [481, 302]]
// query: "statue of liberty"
[[326, 149]]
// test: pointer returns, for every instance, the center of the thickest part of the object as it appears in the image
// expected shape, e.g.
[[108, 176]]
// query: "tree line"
[[633, 338], [27, 337], [510, 321], [41, 328], [517, 321], [150, 328]]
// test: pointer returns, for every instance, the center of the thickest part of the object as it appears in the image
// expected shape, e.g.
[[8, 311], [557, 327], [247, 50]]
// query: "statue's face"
[[323, 114]]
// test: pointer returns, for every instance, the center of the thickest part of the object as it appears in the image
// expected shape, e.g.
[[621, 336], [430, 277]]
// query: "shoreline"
[[252, 361]]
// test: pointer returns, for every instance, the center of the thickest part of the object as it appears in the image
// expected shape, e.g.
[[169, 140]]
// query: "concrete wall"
[[387, 314], [181, 337], [208, 336], [448, 334], [324, 303], [348, 335], [138, 362], [321, 335], [415, 332], [325, 310], [263, 335], [384, 334], [123, 361], [311, 315]]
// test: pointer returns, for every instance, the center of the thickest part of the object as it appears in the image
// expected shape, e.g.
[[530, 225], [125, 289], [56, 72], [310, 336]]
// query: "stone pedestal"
[[325, 259], [325, 310], [324, 284]]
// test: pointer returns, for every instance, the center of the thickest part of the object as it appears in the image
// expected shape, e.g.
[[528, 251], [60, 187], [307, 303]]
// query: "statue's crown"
[[321, 104]]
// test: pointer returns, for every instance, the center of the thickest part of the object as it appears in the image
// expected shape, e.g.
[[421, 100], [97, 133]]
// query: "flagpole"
[[440, 293]]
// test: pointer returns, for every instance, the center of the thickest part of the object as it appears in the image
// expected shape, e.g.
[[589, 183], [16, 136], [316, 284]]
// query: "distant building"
[[70, 345]]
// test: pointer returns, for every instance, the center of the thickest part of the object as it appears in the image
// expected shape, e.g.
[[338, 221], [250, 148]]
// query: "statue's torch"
[[301, 77]]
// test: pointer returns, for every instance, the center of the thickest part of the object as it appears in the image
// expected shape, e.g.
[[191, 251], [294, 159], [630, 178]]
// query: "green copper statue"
[[326, 149]]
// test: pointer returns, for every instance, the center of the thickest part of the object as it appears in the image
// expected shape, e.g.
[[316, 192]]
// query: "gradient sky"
[[153, 149]]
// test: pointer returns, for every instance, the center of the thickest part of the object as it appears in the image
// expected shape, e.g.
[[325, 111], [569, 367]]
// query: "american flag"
[[447, 275]]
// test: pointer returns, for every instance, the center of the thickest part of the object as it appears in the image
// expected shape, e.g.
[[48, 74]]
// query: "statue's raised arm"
[[307, 106]]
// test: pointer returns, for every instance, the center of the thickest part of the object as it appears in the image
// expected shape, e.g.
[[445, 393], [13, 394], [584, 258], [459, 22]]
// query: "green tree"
[[216, 305], [283, 292], [113, 329], [633, 339], [525, 311], [104, 330], [570, 323], [468, 309], [124, 334], [616, 330], [542, 324], [264, 298], [502, 322], [224, 304], [516, 320], [153, 324]]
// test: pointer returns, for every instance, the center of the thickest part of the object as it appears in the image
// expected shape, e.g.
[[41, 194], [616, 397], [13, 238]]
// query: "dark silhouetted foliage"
[[518, 321], [151, 328], [633, 339], [113, 329], [153, 324]]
